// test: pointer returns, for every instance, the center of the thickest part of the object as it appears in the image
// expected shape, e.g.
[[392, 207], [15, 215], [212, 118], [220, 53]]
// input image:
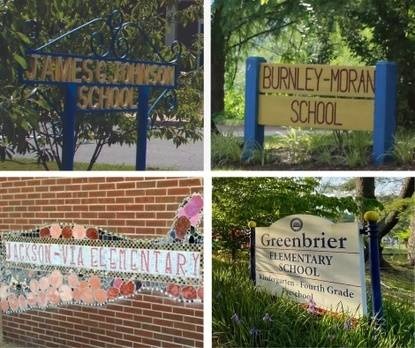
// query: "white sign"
[[306, 256], [176, 264]]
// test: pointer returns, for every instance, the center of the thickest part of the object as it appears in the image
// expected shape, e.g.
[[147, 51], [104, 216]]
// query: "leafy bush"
[[404, 147], [225, 150], [234, 104]]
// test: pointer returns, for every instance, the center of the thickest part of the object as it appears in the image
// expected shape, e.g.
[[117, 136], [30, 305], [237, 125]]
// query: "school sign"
[[320, 96], [308, 257], [105, 80]]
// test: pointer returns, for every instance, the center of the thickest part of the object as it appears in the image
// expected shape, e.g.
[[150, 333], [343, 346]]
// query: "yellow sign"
[[323, 80], [296, 96], [48, 68], [328, 113], [308, 257]]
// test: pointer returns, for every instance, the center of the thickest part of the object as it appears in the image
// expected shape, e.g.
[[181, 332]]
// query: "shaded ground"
[[161, 155], [287, 149], [312, 166]]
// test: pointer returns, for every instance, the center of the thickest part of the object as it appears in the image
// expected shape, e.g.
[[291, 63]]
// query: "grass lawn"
[[398, 282], [292, 326], [26, 164]]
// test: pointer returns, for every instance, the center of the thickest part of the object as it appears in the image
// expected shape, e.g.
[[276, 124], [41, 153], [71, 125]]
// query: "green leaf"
[[20, 60], [23, 37]]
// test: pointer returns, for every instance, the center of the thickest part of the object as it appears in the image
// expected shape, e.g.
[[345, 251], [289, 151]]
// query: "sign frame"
[[384, 119]]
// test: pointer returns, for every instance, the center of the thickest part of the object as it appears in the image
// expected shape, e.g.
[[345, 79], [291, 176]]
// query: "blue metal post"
[[142, 120], [252, 255], [254, 133], [385, 111], [373, 233], [68, 147]]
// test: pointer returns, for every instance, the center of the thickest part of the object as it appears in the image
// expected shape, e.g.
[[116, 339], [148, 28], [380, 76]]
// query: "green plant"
[[225, 150], [234, 104], [297, 144], [404, 147], [354, 147], [244, 316]]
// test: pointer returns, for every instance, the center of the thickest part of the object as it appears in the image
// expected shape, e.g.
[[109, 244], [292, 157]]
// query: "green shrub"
[[297, 144], [234, 104], [225, 150], [404, 148]]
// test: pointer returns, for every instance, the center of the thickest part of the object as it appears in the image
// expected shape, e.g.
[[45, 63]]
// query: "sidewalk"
[[238, 130]]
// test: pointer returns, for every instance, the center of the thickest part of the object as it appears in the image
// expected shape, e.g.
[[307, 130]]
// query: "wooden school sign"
[[320, 96], [105, 81], [308, 257], [316, 111]]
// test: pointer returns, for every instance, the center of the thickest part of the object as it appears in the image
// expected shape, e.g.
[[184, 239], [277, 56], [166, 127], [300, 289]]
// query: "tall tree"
[[236, 201], [235, 24], [365, 192], [378, 30]]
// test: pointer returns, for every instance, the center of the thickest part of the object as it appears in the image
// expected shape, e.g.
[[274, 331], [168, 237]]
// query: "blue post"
[[252, 255], [253, 132], [142, 120], [373, 233], [68, 147], [385, 111]]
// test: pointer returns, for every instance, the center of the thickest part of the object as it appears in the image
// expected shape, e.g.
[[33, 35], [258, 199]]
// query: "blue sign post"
[[338, 83], [385, 111], [254, 132], [104, 82], [142, 118], [373, 233], [252, 269], [69, 114]]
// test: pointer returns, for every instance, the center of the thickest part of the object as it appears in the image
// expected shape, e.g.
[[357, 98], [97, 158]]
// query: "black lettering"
[[330, 241], [293, 104], [307, 104], [266, 77], [284, 76], [352, 79]]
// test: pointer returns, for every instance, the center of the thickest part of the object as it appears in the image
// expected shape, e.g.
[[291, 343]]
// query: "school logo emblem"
[[296, 224]]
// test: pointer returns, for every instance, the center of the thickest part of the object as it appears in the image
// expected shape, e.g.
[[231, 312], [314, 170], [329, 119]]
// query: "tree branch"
[[264, 32], [392, 218]]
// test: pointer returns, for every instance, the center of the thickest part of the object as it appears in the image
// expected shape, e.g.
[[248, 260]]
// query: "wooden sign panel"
[[326, 113], [317, 82], [323, 80], [306, 256]]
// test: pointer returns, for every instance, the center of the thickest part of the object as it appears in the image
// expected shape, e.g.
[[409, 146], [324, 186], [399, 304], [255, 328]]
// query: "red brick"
[[132, 206]]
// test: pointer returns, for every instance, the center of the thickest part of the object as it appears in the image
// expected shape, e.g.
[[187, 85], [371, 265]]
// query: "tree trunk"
[[365, 191], [385, 226], [218, 68]]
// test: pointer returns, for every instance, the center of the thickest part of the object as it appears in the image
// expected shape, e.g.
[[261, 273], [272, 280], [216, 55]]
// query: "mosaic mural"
[[68, 263]]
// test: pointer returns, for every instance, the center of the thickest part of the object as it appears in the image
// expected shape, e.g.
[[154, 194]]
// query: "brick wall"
[[132, 206]]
